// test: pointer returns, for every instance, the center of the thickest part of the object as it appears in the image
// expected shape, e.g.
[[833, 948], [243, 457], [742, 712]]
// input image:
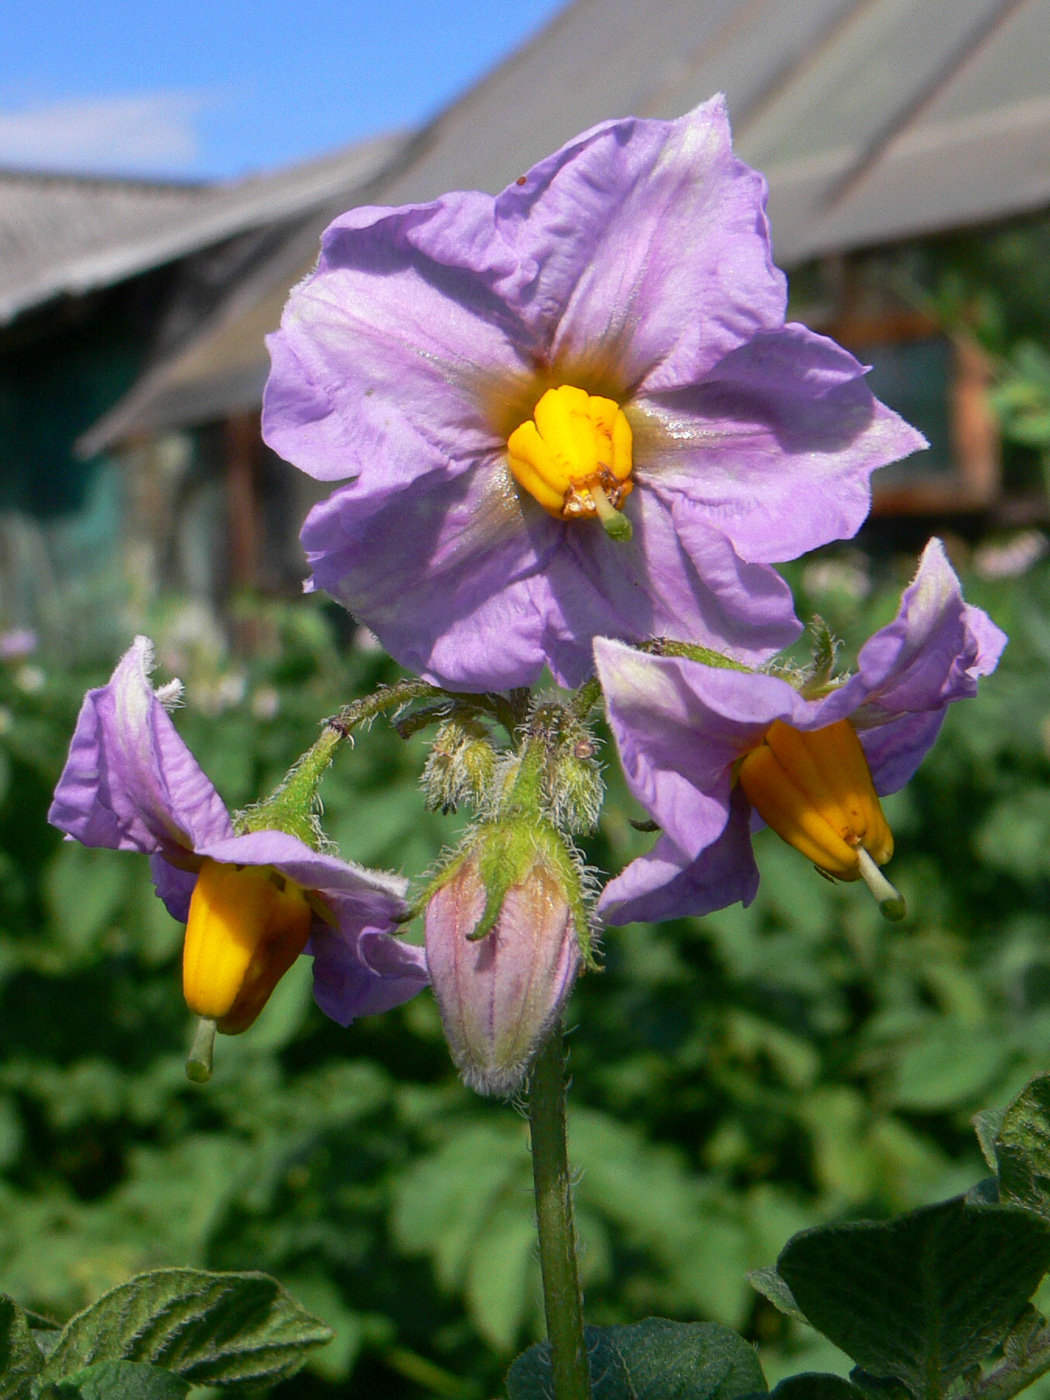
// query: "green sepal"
[[506, 850], [667, 646]]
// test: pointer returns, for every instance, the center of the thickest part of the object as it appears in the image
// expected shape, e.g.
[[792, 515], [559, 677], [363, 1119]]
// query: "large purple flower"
[[684, 731], [130, 783], [617, 314]]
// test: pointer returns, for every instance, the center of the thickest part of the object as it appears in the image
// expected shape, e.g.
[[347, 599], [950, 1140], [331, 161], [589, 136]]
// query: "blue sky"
[[218, 88]]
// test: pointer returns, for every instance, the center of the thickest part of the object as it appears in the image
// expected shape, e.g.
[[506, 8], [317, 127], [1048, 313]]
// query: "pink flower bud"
[[499, 995]]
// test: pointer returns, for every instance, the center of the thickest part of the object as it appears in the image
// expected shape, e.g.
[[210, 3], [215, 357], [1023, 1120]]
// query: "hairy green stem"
[[1014, 1376], [550, 1173], [387, 697]]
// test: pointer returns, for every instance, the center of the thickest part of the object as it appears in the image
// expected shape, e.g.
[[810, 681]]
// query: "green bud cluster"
[[570, 786], [461, 766]]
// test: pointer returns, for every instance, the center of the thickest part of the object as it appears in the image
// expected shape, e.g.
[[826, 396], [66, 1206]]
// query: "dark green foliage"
[[211, 1329], [922, 1298], [652, 1360], [118, 1380], [20, 1357], [811, 1386], [1022, 1148]]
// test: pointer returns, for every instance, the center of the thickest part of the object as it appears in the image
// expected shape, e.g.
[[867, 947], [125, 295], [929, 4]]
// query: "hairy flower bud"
[[461, 766], [501, 971]]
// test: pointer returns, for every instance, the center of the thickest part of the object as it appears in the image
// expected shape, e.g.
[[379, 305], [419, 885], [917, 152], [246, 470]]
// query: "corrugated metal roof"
[[873, 120], [63, 235]]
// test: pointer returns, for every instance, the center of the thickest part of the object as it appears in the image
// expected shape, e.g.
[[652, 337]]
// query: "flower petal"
[[644, 245], [130, 783], [677, 748], [442, 574], [359, 967], [355, 896], [382, 353], [173, 886], [934, 650], [675, 578], [775, 447], [365, 976], [666, 884]]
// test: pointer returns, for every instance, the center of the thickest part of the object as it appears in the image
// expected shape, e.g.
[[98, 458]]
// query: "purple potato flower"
[[634, 267], [131, 784], [682, 728]]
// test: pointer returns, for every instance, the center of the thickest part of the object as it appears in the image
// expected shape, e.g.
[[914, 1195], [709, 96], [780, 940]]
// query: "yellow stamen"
[[247, 926], [814, 789], [574, 457]]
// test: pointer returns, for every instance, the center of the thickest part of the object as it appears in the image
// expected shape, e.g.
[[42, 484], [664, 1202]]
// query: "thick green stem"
[[550, 1172]]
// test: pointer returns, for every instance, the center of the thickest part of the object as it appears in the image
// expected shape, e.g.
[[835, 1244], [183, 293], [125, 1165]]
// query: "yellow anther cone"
[[574, 456], [814, 789], [247, 925]]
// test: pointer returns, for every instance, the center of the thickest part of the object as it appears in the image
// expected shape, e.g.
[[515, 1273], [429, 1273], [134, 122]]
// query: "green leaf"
[[212, 1329], [924, 1297], [652, 1360], [1022, 1147], [769, 1283], [813, 1386], [986, 1125], [118, 1380], [20, 1357]]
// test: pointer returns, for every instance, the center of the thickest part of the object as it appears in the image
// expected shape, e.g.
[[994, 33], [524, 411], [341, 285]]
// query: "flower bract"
[[712, 751], [570, 410], [254, 901]]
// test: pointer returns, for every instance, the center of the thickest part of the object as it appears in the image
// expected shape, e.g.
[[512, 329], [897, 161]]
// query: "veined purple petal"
[[351, 892], [443, 574], [676, 577], [360, 968], [646, 240], [383, 351], [776, 445], [934, 650], [173, 886], [130, 783], [666, 884], [365, 976]]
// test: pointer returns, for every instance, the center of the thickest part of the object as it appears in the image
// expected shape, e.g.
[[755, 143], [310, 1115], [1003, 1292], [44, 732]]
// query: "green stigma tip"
[[617, 527], [199, 1060]]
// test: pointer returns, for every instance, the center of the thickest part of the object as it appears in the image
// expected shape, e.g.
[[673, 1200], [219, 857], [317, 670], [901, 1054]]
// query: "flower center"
[[574, 456], [814, 789], [247, 926]]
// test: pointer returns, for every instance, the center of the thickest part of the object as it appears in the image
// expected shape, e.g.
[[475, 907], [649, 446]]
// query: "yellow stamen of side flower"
[[574, 457], [814, 789], [247, 926]]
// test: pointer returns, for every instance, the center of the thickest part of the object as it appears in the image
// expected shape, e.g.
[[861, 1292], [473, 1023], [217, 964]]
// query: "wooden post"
[[243, 444]]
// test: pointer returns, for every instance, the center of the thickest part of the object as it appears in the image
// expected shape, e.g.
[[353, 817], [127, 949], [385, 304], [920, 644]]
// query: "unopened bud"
[[575, 786], [500, 994], [461, 766]]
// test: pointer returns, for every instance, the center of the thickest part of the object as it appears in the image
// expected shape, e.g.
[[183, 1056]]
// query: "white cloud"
[[139, 133]]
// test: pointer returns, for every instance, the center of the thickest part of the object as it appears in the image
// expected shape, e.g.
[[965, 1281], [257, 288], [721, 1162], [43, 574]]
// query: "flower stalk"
[[562, 1302]]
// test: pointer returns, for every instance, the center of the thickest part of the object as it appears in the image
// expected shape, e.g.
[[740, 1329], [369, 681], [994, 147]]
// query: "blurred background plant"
[[734, 1079]]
